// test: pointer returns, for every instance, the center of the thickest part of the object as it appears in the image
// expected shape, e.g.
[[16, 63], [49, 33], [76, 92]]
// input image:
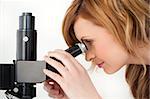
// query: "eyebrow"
[[83, 38]]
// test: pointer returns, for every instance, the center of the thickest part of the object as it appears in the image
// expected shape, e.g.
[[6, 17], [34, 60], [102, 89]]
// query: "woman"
[[108, 28]]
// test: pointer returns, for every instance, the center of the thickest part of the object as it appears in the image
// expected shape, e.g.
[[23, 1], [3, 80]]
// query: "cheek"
[[101, 52], [104, 44], [103, 49], [112, 54]]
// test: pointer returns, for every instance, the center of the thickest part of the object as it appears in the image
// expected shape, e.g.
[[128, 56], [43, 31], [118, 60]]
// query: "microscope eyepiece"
[[77, 49], [26, 21], [82, 47]]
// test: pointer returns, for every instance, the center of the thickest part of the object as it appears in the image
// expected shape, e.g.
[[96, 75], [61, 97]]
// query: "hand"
[[73, 78], [54, 90]]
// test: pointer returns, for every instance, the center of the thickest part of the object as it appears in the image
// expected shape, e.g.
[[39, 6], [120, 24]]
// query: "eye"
[[88, 43]]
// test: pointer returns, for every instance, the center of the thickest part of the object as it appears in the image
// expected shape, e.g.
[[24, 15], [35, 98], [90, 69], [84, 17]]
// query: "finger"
[[62, 92], [56, 77], [48, 82], [77, 64], [52, 88], [65, 58], [53, 93], [56, 86], [47, 86], [51, 85], [56, 95], [57, 65]]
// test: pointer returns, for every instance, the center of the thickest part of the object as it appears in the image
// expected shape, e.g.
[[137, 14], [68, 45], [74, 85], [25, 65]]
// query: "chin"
[[110, 71]]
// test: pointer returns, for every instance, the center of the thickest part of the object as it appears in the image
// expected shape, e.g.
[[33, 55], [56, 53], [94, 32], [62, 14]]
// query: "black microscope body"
[[20, 78]]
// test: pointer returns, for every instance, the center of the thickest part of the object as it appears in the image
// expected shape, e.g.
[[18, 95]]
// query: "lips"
[[100, 65]]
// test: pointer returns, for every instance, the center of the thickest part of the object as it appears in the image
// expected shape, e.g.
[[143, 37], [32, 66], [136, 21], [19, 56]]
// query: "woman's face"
[[103, 49]]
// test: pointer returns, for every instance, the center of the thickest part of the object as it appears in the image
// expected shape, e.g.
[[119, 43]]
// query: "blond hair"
[[128, 21]]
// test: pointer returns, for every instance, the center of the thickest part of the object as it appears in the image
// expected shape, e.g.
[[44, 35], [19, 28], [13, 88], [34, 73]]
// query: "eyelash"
[[88, 43]]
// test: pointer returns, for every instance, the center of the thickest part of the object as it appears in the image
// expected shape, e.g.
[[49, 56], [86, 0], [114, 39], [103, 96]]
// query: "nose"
[[89, 56]]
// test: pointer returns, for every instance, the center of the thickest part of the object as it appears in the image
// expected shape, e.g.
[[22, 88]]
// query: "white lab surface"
[[48, 21]]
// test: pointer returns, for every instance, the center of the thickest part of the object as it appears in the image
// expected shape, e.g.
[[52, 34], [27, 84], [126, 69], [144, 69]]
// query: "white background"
[[48, 21]]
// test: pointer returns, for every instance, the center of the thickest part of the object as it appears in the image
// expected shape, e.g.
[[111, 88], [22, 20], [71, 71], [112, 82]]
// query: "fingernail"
[[45, 71], [51, 83], [45, 57]]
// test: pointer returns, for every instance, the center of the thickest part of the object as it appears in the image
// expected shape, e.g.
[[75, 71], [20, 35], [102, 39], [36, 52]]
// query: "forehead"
[[82, 27]]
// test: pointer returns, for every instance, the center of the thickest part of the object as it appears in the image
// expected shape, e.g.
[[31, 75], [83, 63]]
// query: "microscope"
[[19, 79]]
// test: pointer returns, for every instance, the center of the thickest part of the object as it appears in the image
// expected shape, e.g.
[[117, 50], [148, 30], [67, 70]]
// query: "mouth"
[[100, 65]]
